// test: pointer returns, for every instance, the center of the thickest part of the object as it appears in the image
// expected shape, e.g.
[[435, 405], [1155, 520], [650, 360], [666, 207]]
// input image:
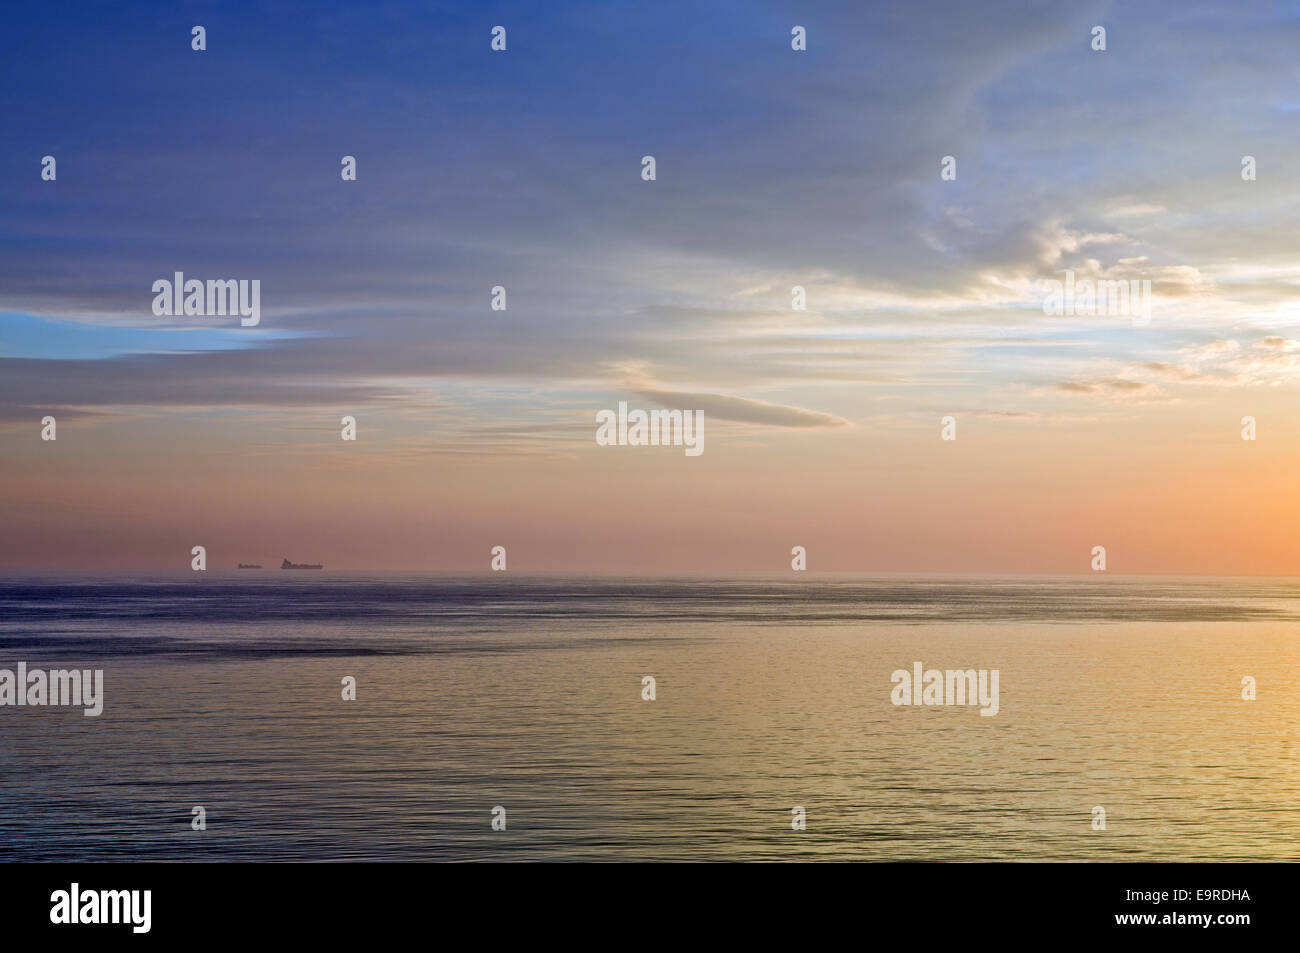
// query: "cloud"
[[1270, 361], [810, 176], [1106, 386], [742, 409], [1166, 369], [1138, 209]]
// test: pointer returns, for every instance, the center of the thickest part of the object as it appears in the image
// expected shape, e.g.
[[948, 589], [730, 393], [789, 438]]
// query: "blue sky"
[[522, 168]]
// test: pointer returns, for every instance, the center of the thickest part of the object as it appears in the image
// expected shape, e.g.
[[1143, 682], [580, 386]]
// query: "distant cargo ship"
[[288, 565], [249, 566]]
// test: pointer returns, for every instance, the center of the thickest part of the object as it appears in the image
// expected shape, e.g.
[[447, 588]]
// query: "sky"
[[774, 168]]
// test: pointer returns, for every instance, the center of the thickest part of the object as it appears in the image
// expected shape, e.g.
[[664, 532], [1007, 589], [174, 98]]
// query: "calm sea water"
[[525, 692]]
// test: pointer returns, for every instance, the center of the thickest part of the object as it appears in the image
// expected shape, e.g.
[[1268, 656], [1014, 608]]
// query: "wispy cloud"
[[742, 409]]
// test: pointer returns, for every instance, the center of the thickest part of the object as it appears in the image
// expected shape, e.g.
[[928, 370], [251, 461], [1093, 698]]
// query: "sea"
[[508, 717]]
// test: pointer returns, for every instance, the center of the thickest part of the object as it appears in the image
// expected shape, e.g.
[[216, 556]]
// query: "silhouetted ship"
[[288, 565], [249, 566]]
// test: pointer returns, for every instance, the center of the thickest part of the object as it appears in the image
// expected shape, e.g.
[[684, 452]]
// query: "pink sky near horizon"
[[1166, 489]]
